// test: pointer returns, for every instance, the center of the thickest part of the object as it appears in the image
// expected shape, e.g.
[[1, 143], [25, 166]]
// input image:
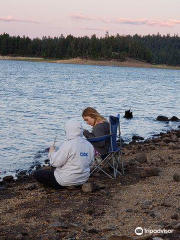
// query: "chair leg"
[[115, 164]]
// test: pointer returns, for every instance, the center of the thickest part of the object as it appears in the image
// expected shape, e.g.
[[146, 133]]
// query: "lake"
[[37, 98]]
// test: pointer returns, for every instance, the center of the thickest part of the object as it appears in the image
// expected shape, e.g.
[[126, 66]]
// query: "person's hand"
[[51, 149]]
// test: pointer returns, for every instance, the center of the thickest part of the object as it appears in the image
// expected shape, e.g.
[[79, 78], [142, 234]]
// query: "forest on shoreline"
[[154, 49]]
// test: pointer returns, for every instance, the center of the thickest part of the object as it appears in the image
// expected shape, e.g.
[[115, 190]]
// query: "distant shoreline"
[[128, 63]]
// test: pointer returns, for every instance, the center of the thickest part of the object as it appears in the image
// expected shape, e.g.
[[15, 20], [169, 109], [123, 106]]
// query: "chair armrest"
[[99, 139]]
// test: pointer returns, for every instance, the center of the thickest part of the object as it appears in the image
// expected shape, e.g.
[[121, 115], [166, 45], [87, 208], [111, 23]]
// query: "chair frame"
[[114, 157]]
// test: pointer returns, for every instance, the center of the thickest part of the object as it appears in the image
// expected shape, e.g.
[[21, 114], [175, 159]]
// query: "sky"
[[38, 18]]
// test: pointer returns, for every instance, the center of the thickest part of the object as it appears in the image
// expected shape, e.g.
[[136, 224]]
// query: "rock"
[[8, 179], [30, 186], [2, 186], [149, 172], [137, 138], [59, 226], [147, 237], [175, 216], [128, 114], [152, 147], [89, 187], [119, 238], [173, 146], [166, 203], [46, 168], [75, 226], [176, 177], [162, 118], [175, 119], [46, 161], [129, 210], [175, 225], [108, 229], [22, 173], [174, 138], [152, 214], [157, 238], [18, 237], [166, 140], [146, 204], [141, 158], [133, 162]]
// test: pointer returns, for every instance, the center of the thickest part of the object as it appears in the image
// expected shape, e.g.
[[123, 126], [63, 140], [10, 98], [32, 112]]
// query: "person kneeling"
[[72, 161]]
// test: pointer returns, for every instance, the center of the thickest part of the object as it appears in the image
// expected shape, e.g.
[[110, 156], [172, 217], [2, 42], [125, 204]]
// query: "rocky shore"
[[146, 196], [129, 62]]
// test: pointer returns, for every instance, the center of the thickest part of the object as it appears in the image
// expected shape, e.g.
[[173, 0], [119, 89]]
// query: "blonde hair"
[[93, 113]]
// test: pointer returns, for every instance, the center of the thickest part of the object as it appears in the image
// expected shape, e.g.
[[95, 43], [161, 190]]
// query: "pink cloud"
[[143, 21], [82, 17], [9, 18]]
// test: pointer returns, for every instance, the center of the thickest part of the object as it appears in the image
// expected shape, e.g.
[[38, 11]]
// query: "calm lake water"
[[36, 99]]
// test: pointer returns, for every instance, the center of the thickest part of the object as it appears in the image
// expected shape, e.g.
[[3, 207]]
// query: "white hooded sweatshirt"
[[74, 157]]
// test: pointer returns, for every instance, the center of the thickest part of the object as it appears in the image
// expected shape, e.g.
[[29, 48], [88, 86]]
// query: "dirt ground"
[[146, 196]]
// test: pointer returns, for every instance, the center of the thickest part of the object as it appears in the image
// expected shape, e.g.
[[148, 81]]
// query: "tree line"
[[156, 49]]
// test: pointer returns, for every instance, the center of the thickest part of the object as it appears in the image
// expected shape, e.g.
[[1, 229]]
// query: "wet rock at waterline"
[[128, 114]]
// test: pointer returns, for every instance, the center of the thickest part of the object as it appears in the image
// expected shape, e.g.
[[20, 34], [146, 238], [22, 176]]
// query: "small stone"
[[90, 211], [19, 236], [166, 203], [173, 146], [146, 204], [8, 179], [175, 216], [30, 186], [142, 158], [74, 226], [119, 238], [109, 229], [71, 187], [92, 230], [157, 238], [129, 210], [89, 187], [137, 138], [175, 225], [58, 225], [149, 171], [46, 161], [46, 168], [176, 177]]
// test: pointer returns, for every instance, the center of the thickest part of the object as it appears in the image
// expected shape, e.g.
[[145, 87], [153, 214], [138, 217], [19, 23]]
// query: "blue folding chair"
[[114, 158]]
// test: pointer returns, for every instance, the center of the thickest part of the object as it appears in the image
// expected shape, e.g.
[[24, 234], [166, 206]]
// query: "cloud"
[[82, 17], [9, 18], [143, 21]]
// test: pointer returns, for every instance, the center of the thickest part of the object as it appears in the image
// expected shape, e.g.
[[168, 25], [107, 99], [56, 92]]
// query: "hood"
[[73, 129]]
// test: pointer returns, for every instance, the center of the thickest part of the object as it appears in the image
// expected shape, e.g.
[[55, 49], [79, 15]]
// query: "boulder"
[[128, 114], [175, 119], [137, 138], [8, 179], [149, 172], [162, 118]]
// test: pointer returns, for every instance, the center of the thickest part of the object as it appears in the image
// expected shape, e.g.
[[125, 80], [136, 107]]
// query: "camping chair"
[[114, 157]]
